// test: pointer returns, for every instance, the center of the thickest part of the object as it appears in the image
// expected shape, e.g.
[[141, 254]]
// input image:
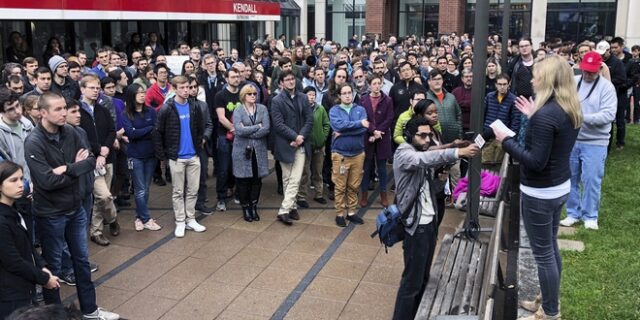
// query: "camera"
[[247, 152]]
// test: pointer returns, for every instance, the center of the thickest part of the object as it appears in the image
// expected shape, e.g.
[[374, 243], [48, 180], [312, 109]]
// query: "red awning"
[[139, 10]]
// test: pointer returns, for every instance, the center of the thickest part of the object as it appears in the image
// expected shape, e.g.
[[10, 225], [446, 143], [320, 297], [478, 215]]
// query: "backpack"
[[389, 226]]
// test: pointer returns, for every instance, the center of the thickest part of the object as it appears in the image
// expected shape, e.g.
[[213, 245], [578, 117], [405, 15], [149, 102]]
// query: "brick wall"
[[451, 16], [375, 17]]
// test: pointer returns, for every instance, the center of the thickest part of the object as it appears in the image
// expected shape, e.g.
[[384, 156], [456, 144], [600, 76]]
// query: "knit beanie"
[[55, 62]]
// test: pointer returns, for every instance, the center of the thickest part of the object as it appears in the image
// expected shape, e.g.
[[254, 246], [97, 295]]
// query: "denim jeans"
[[381, 167], [541, 218], [224, 173], [72, 228], [142, 174], [418, 253], [587, 170], [204, 169]]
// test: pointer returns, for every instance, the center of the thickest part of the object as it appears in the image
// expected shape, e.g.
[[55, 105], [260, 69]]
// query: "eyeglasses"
[[424, 135], [252, 93], [358, 77]]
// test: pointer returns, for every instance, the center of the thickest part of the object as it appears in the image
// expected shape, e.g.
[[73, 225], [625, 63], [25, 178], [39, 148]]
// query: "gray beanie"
[[55, 62]]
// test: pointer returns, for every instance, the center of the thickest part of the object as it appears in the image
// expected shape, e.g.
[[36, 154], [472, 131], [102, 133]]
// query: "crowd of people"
[[78, 137]]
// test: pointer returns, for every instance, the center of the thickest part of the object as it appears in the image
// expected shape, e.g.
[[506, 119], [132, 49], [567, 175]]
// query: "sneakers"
[[303, 204], [568, 221], [221, 206], [354, 218], [114, 228], [69, 279], [100, 240], [138, 225], [102, 314], [540, 315], [236, 200], [204, 210], [180, 227], [294, 215], [93, 266], [152, 225], [532, 306], [320, 200], [591, 224], [195, 226], [340, 221], [284, 218]]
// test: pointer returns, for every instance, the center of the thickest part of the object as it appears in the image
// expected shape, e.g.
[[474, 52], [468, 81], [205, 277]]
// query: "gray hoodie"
[[410, 168], [599, 110], [13, 145]]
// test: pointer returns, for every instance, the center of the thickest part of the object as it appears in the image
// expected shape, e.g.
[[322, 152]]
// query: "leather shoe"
[[303, 204], [294, 215], [284, 218], [320, 200], [114, 228], [100, 240]]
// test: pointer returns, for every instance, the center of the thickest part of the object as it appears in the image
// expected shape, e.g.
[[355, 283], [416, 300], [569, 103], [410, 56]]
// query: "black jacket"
[[100, 129], [166, 136], [20, 264], [70, 89], [544, 160], [56, 194], [210, 90], [618, 74], [290, 117]]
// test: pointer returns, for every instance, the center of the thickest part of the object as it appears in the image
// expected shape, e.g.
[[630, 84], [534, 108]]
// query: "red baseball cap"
[[591, 62]]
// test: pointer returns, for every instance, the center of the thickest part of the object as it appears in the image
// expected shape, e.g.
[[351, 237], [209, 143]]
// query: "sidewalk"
[[241, 270]]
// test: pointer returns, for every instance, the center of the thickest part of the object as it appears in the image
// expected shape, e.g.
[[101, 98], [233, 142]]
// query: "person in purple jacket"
[[380, 114]]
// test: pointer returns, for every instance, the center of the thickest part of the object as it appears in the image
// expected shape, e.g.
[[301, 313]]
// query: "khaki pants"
[[291, 175], [103, 208], [312, 171], [184, 206], [492, 155], [346, 176]]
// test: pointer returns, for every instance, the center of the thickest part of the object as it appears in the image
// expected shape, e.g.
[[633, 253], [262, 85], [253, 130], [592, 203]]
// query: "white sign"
[[245, 8], [175, 63]]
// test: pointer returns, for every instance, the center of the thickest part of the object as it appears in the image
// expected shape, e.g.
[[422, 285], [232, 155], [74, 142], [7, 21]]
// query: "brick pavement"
[[241, 270]]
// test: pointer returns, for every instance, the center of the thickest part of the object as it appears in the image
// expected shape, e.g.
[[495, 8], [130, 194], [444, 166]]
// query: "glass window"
[[88, 37], [344, 19], [580, 20], [176, 31], [520, 24], [226, 34], [14, 33], [418, 17], [121, 32], [44, 32]]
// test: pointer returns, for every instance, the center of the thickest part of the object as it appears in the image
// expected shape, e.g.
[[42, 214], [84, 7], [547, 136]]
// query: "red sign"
[[237, 7]]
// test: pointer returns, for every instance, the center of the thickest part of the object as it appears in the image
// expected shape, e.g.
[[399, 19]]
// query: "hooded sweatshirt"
[[13, 145], [598, 110]]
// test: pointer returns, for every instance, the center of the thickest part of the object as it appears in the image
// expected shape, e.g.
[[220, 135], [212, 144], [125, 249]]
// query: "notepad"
[[500, 126]]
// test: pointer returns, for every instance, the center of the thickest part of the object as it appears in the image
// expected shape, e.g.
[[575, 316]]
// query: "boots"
[[246, 213], [364, 199], [383, 199], [254, 212]]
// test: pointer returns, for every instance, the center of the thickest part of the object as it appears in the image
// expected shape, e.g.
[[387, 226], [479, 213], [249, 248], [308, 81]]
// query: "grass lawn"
[[603, 282]]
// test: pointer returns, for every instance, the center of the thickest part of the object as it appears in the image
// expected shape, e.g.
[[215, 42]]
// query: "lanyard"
[[592, 88]]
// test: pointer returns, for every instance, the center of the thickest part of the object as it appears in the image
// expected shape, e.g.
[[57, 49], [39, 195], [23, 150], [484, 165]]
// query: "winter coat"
[[290, 117], [382, 120], [166, 136], [253, 135]]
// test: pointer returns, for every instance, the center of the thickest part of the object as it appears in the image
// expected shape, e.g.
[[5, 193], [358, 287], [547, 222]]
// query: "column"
[[303, 19], [321, 19], [538, 22]]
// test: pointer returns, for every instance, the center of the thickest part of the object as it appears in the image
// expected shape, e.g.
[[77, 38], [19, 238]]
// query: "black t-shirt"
[[229, 101]]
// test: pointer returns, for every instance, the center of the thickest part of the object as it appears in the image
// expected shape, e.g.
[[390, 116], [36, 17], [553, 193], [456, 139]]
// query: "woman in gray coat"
[[250, 164]]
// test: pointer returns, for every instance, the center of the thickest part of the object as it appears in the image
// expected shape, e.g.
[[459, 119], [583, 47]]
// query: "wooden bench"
[[463, 277], [489, 205]]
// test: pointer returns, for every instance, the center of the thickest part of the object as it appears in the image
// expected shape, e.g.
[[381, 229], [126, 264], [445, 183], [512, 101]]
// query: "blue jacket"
[[139, 130], [505, 111], [350, 142]]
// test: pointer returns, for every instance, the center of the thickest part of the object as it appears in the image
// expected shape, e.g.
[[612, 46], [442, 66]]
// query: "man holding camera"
[[413, 168]]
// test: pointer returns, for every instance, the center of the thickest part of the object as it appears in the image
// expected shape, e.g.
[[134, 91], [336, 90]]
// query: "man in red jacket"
[[159, 90]]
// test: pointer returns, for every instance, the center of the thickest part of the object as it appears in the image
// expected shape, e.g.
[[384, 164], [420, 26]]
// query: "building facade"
[[542, 20]]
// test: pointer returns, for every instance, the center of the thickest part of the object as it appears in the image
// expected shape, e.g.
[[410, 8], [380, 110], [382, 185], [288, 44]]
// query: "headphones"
[[408, 137]]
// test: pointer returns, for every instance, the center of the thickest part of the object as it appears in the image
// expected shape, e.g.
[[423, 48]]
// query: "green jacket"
[[449, 116], [321, 127], [404, 117]]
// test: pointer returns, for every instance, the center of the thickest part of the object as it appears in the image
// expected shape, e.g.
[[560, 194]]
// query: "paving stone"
[[356, 252], [344, 269], [570, 245], [144, 272], [277, 279], [255, 257], [205, 302], [142, 307], [258, 302], [314, 308], [233, 315], [355, 311], [308, 245], [331, 288], [384, 274], [289, 260], [236, 274], [182, 279], [566, 231]]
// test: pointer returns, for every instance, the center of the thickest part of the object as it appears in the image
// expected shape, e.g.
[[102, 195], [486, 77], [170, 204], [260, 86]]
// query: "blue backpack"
[[389, 226]]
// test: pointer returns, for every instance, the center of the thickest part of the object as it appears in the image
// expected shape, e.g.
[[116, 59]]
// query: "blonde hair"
[[555, 80], [245, 90]]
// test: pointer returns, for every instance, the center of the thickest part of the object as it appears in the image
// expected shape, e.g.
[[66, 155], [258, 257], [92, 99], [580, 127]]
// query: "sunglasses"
[[252, 93], [424, 135]]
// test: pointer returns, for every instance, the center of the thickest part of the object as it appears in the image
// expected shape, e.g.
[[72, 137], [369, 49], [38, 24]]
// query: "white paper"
[[479, 140], [500, 126]]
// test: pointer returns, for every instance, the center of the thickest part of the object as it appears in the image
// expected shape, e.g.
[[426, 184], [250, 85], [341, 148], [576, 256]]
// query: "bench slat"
[[442, 290], [474, 305], [456, 304], [465, 298], [458, 266], [434, 277]]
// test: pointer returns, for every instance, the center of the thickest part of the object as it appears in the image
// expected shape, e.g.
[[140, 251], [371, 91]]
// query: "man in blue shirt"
[[179, 137]]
